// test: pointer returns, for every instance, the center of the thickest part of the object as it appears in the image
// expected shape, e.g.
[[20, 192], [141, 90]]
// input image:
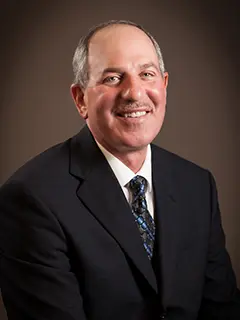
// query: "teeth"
[[135, 114]]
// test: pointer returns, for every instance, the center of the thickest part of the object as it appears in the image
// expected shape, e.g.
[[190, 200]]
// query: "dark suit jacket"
[[70, 248]]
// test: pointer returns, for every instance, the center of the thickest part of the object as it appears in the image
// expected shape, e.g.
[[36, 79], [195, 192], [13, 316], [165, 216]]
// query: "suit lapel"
[[102, 195], [168, 221]]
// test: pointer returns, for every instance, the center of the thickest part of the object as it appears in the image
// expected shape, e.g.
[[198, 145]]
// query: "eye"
[[112, 80], [147, 75]]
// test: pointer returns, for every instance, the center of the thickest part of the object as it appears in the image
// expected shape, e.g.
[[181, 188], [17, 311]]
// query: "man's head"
[[120, 86], [80, 59]]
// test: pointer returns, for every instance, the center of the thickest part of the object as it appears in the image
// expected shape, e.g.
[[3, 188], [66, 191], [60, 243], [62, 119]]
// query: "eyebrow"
[[112, 69], [149, 65]]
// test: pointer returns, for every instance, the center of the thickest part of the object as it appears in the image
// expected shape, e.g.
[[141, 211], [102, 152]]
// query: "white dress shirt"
[[124, 175]]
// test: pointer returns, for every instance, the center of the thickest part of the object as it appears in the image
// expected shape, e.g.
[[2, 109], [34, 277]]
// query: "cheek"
[[94, 97], [101, 99], [158, 95]]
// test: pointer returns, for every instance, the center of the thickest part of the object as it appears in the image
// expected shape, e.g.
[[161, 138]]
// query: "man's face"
[[124, 102]]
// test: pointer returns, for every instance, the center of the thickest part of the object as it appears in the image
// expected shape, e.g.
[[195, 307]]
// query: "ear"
[[165, 81], [78, 97]]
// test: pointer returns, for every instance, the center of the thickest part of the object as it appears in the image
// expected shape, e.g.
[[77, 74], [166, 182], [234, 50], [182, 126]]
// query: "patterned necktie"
[[142, 216]]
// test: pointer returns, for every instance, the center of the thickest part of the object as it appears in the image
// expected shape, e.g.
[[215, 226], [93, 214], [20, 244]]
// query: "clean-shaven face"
[[125, 97]]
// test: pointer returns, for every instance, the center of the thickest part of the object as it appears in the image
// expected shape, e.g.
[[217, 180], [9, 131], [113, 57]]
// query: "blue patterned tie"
[[142, 216]]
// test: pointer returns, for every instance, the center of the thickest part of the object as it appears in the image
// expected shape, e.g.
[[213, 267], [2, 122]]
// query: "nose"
[[133, 89]]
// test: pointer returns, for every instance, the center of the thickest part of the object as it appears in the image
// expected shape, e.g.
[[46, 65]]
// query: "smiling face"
[[125, 98]]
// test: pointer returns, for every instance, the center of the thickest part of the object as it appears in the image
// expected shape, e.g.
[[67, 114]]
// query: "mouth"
[[135, 114]]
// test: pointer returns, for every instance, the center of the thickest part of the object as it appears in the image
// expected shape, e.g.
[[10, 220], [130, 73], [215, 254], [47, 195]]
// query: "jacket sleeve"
[[36, 279], [221, 298]]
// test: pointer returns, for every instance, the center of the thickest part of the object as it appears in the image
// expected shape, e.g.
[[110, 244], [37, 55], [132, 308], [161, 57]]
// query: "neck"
[[133, 159]]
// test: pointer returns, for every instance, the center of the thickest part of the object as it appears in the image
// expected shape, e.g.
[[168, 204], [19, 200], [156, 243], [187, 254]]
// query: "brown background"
[[199, 40]]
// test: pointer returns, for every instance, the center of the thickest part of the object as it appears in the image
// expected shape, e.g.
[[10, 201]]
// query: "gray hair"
[[80, 58]]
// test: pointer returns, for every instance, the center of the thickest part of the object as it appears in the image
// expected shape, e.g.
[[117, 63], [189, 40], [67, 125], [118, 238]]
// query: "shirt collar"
[[123, 173]]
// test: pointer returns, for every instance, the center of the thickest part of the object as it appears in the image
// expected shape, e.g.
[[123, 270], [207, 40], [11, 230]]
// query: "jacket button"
[[163, 315]]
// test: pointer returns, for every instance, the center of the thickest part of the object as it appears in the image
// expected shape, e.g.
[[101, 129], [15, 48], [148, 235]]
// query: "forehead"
[[119, 45]]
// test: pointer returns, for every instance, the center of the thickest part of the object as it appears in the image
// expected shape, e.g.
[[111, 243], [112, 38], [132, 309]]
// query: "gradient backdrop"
[[200, 44]]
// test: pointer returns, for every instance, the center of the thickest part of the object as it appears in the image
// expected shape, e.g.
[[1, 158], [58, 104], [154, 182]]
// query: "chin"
[[136, 144], [144, 139]]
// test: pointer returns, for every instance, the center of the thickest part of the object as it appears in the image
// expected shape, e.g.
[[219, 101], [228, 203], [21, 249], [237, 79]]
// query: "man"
[[105, 225]]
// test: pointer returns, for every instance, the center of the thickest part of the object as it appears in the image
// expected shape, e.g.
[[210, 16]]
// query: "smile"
[[135, 114]]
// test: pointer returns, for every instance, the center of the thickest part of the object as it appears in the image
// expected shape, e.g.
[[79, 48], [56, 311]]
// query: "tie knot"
[[138, 185]]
